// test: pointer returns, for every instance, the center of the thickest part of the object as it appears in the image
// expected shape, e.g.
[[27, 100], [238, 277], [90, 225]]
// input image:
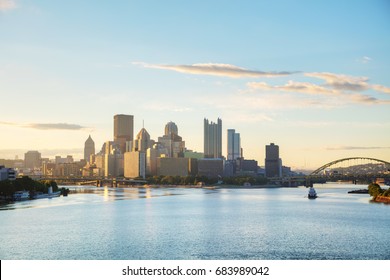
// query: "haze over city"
[[311, 77]]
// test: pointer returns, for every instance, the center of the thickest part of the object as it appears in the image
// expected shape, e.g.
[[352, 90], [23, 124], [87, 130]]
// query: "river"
[[185, 223]]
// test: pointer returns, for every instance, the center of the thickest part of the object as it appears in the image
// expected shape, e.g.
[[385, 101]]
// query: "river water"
[[184, 223]]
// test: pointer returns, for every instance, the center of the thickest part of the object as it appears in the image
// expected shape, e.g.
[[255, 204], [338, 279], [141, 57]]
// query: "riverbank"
[[205, 186], [382, 199]]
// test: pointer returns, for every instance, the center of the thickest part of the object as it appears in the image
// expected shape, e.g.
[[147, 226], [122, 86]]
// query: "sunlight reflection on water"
[[185, 223]]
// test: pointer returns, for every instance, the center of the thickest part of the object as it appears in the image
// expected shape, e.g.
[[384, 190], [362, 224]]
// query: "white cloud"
[[50, 126], [337, 88], [47, 126], [292, 86], [364, 59], [6, 5], [215, 69], [343, 87], [348, 83], [342, 82], [381, 88]]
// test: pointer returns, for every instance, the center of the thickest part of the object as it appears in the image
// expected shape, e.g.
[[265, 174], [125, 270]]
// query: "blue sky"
[[310, 76]]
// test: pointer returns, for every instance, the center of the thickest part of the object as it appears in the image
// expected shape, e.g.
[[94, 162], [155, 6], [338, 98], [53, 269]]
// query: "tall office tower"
[[212, 139], [113, 161], [89, 148], [272, 161], [172, 141], [233, 145], [134, 164], [142, 142], [32, 159], [171, 128], [123, 130]]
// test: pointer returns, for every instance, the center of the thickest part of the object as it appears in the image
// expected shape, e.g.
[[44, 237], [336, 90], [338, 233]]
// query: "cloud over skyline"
[[216, 69], [47, 126], [348, 83], [345, 87]]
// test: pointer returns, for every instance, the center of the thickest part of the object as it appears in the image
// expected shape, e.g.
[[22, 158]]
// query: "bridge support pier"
[[308, 182], [114, 183]]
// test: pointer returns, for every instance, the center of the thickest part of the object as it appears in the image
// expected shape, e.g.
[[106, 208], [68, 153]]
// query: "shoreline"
[[205, 187], [382, 199]]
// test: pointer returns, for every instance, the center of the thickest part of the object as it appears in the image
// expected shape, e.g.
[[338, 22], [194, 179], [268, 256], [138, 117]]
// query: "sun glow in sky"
[[310, 76]]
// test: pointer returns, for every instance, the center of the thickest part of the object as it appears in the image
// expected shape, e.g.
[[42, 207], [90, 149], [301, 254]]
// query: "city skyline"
[[309, 77]]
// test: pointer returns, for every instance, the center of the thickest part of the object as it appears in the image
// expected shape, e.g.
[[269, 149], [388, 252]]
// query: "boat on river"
[[39, 195], [363, 191], [49, 194], [312, 193], [21, 195]]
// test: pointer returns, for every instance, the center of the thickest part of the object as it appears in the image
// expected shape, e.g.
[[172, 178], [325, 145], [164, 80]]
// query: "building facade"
[[233, 145], [210, 167], [172, 141], [32, 159], [134, 164], [212, 139], [113, 160], [273, 166], [171, 128], [141, 143], [68, 159], [176, 166], [7, 173], [123, 130], [89, 148]]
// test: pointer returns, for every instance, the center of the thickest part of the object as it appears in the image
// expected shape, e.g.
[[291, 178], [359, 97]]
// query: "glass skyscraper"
[[233, 145]]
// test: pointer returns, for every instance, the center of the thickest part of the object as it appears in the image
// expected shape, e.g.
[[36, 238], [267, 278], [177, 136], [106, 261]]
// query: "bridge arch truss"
[[324, 167]]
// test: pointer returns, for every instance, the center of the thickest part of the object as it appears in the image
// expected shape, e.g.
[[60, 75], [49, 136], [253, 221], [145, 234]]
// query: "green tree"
[[387, 192], [374, 190]]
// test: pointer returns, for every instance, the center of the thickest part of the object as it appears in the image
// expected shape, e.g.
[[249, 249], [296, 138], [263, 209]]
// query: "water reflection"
[[184, 223], [92, 194]]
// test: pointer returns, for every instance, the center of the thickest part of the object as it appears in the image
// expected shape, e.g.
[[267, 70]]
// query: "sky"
[[309, 76]]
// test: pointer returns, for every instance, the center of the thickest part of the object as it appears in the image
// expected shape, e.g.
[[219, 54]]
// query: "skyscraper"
[[123, 130], [172, 141], [32, 159], [113, 160], [233, 145], [272, 161], [212, 139], [89, 148], [171, 128], [142, 141], [134, 164]]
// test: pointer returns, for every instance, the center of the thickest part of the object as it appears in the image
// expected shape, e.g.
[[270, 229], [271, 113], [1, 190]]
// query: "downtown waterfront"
[[202, 224]]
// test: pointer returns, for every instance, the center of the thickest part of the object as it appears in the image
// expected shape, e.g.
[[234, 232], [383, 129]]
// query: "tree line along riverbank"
[[194, 180], [25, 183]]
